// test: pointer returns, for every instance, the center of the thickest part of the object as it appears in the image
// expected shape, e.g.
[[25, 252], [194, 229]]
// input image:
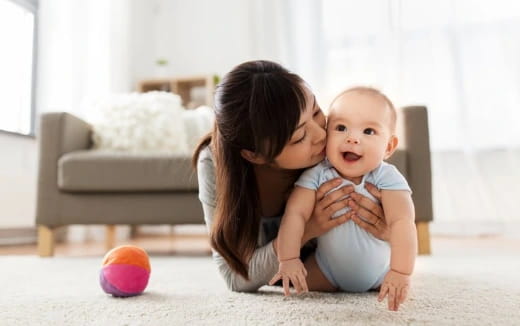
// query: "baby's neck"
[[354, 180]]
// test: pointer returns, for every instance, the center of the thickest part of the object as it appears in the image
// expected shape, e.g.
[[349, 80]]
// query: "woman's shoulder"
[[206, 176], [205, 154], [205, 162]]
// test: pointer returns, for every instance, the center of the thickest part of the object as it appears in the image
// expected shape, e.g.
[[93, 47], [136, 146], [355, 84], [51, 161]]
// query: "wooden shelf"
[[184, 87]]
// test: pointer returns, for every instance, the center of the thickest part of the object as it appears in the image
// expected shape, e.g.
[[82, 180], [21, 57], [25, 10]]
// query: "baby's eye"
[[341, 128], [369, 131]]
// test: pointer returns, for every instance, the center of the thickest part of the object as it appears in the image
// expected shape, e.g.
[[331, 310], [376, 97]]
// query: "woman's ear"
[[391, 146], [252, 157]]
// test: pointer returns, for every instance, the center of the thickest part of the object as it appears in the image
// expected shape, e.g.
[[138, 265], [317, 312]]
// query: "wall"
[[197, 37], [17, 180]]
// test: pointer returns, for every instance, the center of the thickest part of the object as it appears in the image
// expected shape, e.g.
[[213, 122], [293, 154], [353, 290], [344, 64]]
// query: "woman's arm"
[[263, 264]]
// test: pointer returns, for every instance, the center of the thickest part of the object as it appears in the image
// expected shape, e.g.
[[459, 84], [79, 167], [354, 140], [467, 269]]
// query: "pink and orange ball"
[[125, 271]]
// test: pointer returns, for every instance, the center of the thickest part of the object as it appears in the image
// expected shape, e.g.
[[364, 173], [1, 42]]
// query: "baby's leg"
[[316, 281]]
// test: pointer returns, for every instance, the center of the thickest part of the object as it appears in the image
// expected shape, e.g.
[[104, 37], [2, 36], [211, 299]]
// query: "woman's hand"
[[326, 205], [372, 213]]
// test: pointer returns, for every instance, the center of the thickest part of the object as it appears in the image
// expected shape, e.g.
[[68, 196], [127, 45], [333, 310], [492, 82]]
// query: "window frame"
[[31, 6]]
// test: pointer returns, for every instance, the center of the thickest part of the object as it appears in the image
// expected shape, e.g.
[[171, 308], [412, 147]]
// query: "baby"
[[360, 135]]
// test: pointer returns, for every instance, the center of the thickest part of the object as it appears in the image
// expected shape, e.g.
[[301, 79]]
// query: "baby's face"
[[359, 134]]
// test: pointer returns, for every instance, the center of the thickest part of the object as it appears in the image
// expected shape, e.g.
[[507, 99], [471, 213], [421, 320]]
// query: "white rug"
[[188, 290]]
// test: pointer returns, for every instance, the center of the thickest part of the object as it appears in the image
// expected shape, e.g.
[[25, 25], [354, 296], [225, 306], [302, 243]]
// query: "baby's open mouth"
[[351, 157]]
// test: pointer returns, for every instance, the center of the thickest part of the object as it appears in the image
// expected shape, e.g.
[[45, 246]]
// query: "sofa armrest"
[[59, 133], [419, 175]]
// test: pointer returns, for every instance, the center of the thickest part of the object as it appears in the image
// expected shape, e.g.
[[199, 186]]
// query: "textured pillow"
[[148, 122]]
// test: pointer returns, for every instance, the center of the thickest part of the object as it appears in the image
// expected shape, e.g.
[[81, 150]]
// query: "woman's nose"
[[320, 134]]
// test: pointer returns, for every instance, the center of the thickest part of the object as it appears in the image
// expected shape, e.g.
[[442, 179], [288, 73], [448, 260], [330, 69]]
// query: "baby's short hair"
[[376, 93]]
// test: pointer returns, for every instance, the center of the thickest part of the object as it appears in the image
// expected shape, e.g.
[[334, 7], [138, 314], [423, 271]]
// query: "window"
[[17, 65]]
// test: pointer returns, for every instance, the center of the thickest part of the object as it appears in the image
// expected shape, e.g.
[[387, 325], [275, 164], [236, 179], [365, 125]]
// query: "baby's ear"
[[391, 146]]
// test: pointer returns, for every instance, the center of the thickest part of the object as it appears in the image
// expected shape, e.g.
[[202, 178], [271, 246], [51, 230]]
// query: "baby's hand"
[[396, 285], [294, 271]]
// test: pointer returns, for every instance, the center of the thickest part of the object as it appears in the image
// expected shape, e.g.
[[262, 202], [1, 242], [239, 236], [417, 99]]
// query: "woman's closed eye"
[[301, 139], [369, 131]]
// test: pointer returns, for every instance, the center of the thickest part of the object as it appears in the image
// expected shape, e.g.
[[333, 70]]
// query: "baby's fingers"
[[303, 284], [391, 298], [404, 294], [296, 283], [275, 278], [382, 292], [397, 301], [286, 291]]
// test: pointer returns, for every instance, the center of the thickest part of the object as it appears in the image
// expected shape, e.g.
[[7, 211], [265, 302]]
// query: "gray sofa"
[[79, 185]]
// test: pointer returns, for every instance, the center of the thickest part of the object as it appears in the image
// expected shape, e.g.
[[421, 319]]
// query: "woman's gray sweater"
[[264, 263]]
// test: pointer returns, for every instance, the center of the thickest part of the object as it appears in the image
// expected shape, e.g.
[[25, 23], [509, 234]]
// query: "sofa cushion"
[[97, 170]]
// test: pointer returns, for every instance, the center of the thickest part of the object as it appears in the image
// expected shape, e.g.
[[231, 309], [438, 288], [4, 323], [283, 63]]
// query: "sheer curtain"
[[84, 52], [461, 58]]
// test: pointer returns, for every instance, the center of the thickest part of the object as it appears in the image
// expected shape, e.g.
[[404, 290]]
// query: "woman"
[[268, 129]]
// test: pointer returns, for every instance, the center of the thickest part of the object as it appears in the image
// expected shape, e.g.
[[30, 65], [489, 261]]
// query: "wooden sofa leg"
[[110, 237], [423, 237], [134, 231], [45, 241]]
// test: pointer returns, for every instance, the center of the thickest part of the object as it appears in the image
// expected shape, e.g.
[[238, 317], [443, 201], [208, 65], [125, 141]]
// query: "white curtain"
[[83, 55], [83, 52], [460, 58]]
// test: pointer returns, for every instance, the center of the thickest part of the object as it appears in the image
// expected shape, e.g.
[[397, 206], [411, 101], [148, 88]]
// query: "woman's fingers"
[[335, 196], [339, 220], [364, 225], [373, 190], [334, 207], [326, 187], [369, 205], [363, 212]]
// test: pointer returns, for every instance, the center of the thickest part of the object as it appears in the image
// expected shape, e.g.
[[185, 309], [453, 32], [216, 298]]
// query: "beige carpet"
[[472, 290]]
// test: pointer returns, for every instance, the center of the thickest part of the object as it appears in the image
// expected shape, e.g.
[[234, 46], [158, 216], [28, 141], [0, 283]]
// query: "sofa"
[[79, 185]]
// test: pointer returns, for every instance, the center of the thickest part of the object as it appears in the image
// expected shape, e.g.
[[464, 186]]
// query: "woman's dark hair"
[[257, 107]]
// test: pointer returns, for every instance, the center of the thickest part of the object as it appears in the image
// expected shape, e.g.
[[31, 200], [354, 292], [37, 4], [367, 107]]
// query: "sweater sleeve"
[[263, 264]]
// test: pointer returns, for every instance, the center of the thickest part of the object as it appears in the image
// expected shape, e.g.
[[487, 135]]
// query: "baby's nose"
[[352, 140]]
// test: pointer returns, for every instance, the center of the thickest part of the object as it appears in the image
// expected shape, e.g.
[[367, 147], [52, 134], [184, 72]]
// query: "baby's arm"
[[298, 210], [400, 216]]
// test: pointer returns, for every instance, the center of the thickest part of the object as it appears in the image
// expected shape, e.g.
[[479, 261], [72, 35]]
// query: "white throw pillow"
[[197, 123], [148, 122], [141, 122]]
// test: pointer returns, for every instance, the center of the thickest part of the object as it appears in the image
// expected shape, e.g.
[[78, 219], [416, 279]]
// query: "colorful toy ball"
[[125, 272]]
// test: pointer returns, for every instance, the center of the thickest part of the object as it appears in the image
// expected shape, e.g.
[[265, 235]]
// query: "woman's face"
[[307, 144]]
